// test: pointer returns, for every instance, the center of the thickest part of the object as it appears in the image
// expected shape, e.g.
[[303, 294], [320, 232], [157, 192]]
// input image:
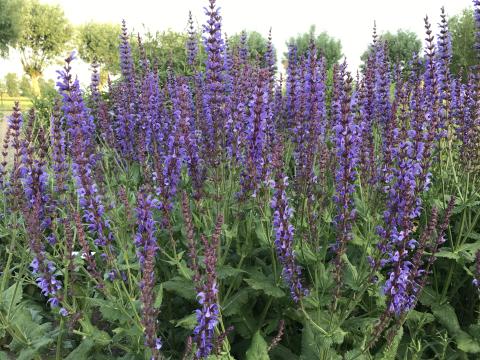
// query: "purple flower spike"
[[146, 244], [284, 231]]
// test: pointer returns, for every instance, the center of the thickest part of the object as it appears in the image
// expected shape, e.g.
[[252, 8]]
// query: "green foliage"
[[401, 46], [10, 24], [256, 43], [44, 35], [326, 45], [167, 50], [258, 349], [462, 28], [25, 87], [11, 84], [99, 42]]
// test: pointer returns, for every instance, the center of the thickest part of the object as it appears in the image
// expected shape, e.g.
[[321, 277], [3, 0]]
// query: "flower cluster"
[[207, 295], [284, 231], [146, 249]]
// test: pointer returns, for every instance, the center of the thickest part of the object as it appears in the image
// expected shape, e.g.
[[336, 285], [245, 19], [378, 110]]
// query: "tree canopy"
[[44, 35], [99, 42], [462, 28], [401, 46], [257, 44], [11, 84], [326, 45], [166, 49], [10, 24]]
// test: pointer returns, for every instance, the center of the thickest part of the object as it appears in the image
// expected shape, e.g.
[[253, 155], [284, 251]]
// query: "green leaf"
[[281, 352], [465, 205], [390, 352], [227, 271], [355, 354], [418, 317], [466, 343], [109, 310], [260, 282], [258, 348], [181, 287], [261, 233], [12, 296], [351, 274], [38, 336], [234, 303], [315, 346], [183, 269], [447, 317], [446, 252], [188, 322], [428, 296], [474, 330], [468, 251], [82, 351], [100, 337], [473, 235], [159, 297]]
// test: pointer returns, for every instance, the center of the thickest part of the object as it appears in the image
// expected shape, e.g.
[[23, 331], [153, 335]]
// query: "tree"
[[10, 24], [11, 84], [166, 49], [45, 33], [462, 28], [3, 89], [327, 46], [25, 87], [256, 44], [401, 46], [97, 42]]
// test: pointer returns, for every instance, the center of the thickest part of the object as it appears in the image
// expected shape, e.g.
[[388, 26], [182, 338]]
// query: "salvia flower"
[[146, 245], [254, 173], [207, 292], [192, 42], [347, 145], [284, 235], [42, 268]]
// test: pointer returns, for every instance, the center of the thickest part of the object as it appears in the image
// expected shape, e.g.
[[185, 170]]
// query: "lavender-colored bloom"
[[476, 12], [146, 244], [145, 236], [254, 161], [476, 280], [243, 47], [215, 77], [42, 268], [167, 169], [403, 207], [13, 182], [192, 42], [126, 104], [95, 84], [284, 233], [59, 151], [270, 60], [189, 136], [207, 292], [82, 131], [291, 94], [126, 62], [347, 146], [382, 83], [310, 120]]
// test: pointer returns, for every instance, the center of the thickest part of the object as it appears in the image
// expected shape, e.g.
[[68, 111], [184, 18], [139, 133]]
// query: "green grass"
[[6, 104]]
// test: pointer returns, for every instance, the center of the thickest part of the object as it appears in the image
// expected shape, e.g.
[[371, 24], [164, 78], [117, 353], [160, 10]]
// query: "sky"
[[351, 21]]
